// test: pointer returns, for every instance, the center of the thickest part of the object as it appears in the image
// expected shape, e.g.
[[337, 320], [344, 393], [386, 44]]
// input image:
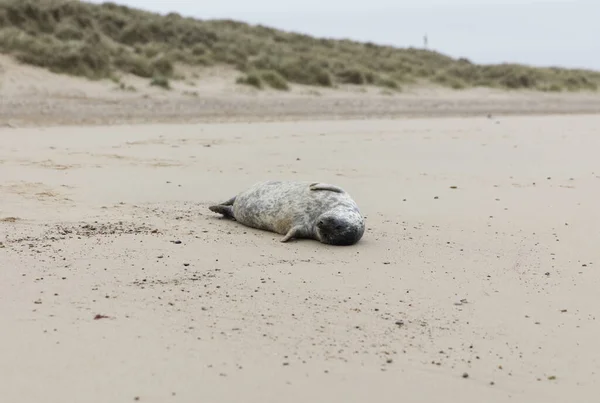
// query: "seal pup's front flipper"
[[326, 186], [294, 232], [225, 208]]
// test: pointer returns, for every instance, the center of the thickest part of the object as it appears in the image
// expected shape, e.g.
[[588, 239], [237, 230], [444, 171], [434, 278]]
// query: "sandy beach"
[[494, 279], [476, 279]]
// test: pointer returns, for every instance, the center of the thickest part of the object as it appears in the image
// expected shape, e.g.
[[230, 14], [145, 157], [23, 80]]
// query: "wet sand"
[[476, 277]]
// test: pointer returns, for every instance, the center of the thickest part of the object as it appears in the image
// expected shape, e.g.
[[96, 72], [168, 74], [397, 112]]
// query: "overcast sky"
[[550, 32]]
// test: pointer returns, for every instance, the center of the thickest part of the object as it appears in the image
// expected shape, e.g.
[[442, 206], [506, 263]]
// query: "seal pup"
[[310, 210]]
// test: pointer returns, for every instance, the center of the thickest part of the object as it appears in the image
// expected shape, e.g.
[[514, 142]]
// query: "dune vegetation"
[[100, 41]]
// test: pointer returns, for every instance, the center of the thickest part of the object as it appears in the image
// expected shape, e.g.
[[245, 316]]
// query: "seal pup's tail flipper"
[[326, 186], [225, 208]]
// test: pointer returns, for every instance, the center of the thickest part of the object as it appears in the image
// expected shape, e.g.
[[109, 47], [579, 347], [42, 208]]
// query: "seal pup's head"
[[340, 226]]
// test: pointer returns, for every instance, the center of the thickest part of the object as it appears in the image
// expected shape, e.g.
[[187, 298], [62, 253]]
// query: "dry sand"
[[31, 96], [483, 292]]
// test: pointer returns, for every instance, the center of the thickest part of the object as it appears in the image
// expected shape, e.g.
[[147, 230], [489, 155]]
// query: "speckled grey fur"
[[310, 210]]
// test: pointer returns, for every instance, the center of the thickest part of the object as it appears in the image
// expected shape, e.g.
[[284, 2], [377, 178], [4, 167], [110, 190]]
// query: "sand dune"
[[30, 96], [476, 277]]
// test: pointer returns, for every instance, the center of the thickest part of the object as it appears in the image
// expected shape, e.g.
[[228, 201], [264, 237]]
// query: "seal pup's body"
[[310, 210]]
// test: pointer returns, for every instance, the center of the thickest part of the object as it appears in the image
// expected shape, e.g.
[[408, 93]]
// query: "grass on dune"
[[98, 41]]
